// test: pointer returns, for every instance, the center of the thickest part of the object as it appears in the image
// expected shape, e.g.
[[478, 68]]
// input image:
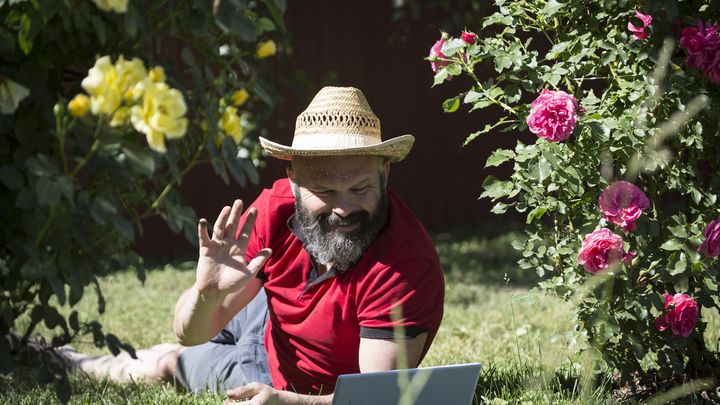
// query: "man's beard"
[[342, 250]]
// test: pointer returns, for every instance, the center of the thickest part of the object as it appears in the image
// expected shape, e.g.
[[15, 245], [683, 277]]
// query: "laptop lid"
[[454, 384]]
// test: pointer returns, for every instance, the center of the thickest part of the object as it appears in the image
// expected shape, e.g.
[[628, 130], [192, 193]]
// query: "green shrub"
[[100, 119], [621, 187]]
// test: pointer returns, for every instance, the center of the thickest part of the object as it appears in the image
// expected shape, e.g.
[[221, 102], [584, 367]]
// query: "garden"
[[606, 293]]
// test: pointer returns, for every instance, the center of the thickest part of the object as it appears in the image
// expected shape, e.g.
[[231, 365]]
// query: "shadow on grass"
[[483, 254]]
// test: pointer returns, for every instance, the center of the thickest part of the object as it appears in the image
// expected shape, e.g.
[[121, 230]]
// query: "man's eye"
[[323, 192], [360, 190]]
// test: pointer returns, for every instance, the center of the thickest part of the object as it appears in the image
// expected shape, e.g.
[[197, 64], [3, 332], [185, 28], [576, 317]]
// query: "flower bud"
[[59, 110], [79, 105], [239, 97], [469, 37], [266, 49]]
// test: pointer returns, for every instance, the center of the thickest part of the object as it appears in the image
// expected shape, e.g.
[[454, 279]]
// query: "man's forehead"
[[336, 166]]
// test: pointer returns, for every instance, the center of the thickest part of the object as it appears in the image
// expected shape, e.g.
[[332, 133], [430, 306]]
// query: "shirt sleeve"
[[412, 291]]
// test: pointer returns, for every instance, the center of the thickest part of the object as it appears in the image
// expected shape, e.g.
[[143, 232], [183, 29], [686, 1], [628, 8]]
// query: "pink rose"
[[639, 32], [711, 244], [436, 52], [469, 37], [682, 316], [552, 115], [602, 249], [621, 203]]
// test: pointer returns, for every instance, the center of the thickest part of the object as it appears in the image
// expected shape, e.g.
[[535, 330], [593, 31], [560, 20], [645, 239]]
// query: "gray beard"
[[341, 249]]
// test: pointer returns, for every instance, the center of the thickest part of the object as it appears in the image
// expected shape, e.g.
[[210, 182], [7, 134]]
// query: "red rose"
[[682, 316], [469, 37]]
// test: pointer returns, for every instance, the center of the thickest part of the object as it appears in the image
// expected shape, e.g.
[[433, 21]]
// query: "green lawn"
[[522, 363]]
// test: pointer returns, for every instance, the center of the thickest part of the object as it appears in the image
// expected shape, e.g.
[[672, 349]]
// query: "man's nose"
[[342, 205]]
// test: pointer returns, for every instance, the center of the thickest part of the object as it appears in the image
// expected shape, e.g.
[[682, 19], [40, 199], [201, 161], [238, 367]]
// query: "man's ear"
[[386, 171], [290, 173]]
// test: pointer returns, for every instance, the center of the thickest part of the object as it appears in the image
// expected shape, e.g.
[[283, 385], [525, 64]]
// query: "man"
[[332, 259]]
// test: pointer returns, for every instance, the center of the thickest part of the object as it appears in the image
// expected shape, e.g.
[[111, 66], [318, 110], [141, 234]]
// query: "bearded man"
[[326, 270]]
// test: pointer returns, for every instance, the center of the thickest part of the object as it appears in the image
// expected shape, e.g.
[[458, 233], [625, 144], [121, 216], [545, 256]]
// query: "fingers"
[[202, 232], [234, 219], [246, 391], [247, 228], [259, 260], [219, 228]]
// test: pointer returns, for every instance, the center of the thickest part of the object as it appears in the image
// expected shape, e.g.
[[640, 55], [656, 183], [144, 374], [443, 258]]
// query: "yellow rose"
[[79, 105], [11, 93], [107, 84], [160, 115], [157, 74], [266, 49], [230, 123], [118, 6], [239, 97]]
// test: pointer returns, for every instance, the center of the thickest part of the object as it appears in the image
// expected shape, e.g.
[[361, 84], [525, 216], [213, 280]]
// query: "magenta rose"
[[436, 51], [621, 203], [681, 317], [702, 44], [639, 33], [469, 37], [552, 115], [602, 249], [711, 244], [712, 70]]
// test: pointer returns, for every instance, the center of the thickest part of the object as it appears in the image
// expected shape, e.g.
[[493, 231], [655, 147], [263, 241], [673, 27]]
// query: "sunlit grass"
[[522, 363]]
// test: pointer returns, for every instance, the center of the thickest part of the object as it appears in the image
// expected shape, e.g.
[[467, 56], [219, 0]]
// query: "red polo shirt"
[[316, 322]]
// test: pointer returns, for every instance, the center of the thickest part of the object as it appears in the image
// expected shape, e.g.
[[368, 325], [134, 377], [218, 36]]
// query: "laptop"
[[454, 384]]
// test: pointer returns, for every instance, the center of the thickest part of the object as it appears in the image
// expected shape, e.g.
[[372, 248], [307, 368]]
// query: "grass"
[[522, 364]]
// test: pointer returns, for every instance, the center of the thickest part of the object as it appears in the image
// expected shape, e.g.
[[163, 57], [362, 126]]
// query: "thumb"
[[259, 260]]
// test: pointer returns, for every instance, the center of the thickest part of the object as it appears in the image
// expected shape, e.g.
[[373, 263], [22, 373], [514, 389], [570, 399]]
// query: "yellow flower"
[[118, 6], [160, 115], [79, 105], [157, 74], [239, 97], [230, 123], [107, 83], [266, 49], [11, 93]]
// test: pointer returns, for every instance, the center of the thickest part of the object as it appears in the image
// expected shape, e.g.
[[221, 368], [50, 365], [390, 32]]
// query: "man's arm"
[[199, 317], [225, 283], [375, 355]]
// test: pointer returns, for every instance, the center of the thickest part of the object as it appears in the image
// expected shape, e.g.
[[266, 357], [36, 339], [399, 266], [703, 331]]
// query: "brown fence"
[[440, 180]]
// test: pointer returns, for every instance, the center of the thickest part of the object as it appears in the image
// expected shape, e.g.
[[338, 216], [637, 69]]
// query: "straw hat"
[[339, 122]]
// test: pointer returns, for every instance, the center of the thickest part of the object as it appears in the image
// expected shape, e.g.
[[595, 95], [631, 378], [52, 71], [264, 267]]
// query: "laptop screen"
[[454, 384]]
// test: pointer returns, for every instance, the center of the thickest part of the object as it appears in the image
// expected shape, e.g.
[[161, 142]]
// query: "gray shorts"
[[233, 358]]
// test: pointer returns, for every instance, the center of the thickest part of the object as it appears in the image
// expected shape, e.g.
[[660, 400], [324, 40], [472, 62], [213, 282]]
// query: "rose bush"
[[100, 120], [638, 175]]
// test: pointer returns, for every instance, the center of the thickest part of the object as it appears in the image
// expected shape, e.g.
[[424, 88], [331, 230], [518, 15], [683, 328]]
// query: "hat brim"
[[394, 149]]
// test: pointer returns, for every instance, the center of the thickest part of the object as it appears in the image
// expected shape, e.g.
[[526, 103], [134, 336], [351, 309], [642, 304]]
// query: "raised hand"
[[222, 269]]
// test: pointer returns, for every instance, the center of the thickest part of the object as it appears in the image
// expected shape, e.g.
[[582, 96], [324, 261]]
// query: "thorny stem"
[[502, 104], [45, 227]]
